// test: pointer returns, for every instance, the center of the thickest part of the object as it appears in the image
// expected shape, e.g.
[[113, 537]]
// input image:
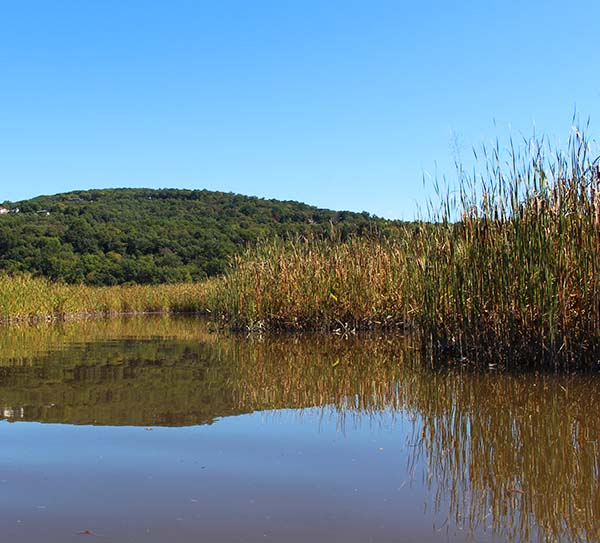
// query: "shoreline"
[[435, 351]]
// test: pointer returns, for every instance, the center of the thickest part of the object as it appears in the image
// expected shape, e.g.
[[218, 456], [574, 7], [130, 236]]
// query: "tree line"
[[145, 236]]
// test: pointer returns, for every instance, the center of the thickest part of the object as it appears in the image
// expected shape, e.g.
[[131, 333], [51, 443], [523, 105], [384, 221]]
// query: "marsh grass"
[[517, 277], [507, 271], [313, 284], [27, 299]]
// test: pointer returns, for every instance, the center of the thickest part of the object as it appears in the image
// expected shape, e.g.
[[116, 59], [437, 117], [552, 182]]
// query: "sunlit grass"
[[25, 298], [507, 271]]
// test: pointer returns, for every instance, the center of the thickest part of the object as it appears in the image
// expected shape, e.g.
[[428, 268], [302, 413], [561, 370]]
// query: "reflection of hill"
[[145, 382], [517, 452], [137, 371], [173, 372], [114, 372]]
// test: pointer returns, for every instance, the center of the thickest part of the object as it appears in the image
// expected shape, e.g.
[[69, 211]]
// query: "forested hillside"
[[116, 236]]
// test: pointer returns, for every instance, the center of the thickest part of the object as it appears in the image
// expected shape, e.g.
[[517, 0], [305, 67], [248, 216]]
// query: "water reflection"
[[514, 453]]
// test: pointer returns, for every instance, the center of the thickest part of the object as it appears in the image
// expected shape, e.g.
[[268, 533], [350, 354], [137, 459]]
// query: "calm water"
[[159, 430]]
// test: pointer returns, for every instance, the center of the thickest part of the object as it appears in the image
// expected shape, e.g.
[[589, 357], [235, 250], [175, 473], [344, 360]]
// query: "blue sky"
[[339, 103]]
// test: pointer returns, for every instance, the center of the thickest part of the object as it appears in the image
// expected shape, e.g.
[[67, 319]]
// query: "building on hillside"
[[3, 210]]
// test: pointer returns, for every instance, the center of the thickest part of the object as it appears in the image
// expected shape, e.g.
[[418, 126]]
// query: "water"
[[161, 430]]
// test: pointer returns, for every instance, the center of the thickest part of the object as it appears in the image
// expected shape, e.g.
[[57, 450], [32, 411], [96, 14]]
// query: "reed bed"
[[27, 299], [313, 285], [518, 276], [507, 271]]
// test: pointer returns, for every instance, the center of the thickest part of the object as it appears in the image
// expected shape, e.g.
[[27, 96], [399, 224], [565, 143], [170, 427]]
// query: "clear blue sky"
[[341, 104]]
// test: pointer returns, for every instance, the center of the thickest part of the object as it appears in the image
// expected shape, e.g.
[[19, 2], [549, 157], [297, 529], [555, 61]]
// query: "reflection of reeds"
[[515, 452], [519, 451], [21, 344], [306, 372]]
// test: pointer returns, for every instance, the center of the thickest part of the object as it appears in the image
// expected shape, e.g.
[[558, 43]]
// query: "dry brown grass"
[[515, 280]]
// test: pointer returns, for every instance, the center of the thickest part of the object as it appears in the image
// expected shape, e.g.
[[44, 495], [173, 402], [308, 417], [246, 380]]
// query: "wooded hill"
[[116, 236]]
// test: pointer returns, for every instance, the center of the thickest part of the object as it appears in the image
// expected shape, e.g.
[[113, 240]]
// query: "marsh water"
[[159, 429]]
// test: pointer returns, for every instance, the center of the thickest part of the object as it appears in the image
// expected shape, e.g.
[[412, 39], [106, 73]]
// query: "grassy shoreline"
[[508, 272], [30, 299]]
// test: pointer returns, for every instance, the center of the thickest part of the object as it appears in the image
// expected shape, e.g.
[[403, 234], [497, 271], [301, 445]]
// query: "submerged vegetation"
[[508, 271]]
